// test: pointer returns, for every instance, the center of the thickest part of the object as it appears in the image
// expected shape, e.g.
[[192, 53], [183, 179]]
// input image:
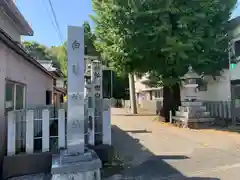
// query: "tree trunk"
[[132, 92], [171, 100], [167, 102], [177, 97]]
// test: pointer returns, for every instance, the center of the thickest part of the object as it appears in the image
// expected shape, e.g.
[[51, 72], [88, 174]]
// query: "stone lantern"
[[190, 85], [192, 111]]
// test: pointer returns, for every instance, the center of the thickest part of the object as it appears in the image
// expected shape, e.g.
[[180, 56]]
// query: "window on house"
[[158, 94], [14, 96], [9, 97], [237, 48], [202, 85], [48, 97], [19, 97]]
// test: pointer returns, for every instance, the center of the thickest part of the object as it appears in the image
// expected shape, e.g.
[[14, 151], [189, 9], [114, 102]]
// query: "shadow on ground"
[[140, 163], [225, 128], [221, 127]]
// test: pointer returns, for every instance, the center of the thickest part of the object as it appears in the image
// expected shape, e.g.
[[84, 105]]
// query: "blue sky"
[[68, 12], [39, 16]]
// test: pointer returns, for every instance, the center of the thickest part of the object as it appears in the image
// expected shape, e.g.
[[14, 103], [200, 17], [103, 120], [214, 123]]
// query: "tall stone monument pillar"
[[76, 162], [76, 83]]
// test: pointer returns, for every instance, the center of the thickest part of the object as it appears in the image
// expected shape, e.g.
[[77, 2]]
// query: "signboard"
[[96, 77], [75, 118], [232, 66]]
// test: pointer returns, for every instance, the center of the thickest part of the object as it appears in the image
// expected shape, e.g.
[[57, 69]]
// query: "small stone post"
[[45, 130], [11, 144], [29, 132]]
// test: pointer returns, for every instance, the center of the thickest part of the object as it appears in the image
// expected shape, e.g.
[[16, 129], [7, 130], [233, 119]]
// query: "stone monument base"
[[105, 152], [84, 166], [193, 123], [76, 166], [35, 163], [192, 114]]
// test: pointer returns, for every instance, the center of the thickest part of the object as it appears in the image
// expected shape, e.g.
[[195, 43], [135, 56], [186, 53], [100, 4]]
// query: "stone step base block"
[[192, 108], [40, 176], [187, 114], [192, 123], [90, 175], [26, 164], [182, 114], [104, 151], [184, 119], [199, 115], [189, 103]]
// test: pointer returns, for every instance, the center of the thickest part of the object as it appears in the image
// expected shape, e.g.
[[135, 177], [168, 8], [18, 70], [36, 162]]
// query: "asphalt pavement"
[[151, 150]]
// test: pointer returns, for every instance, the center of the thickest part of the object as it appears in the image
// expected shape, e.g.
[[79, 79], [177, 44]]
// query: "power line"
[[50, 17], [56, 21]]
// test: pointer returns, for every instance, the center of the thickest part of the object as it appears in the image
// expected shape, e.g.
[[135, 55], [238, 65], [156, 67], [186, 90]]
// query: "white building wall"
[[7, 25], [236, 33], [217, 90], [235, 72], [2, 100], [37, 82], [138, 85]]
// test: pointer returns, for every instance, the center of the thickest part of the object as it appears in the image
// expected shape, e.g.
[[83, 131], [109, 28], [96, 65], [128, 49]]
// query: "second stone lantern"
[[192, 112]]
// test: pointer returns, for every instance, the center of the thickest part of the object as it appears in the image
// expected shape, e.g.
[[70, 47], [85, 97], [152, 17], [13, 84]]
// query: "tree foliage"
[[41, 52], [164, 36], [60, 52], [120, 86], [112, 39], [89, 39]]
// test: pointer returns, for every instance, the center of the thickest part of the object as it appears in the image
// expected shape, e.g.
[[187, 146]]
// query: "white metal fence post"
[[107, 122], [29, 132], [61, 128], [91, 131], [11, 138], [45, 130], [170, 116]]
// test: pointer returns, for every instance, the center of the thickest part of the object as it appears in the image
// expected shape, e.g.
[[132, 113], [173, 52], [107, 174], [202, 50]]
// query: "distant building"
[[59, 85]]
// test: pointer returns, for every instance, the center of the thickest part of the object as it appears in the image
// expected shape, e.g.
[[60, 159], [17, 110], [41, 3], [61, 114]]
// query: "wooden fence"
[[24, 134], [217, 109], [44, 128]]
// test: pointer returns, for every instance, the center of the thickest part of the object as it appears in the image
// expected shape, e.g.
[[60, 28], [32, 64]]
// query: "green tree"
[[164, 37], [89, 39], [120, 83], [40, 52], [112, 39], [120, 86], [60, 52]]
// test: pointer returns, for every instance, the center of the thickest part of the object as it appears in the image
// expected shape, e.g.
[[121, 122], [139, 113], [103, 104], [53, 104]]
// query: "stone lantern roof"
[[191, 74]]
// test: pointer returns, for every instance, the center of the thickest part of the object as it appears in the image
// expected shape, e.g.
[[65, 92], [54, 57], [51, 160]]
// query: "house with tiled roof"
[[24, 82]]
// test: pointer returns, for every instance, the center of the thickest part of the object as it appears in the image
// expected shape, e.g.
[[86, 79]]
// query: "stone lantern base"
[[192, 114]]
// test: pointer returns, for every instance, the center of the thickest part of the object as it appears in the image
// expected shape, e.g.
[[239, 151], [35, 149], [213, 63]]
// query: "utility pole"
[[132, 93], [232, 93]]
